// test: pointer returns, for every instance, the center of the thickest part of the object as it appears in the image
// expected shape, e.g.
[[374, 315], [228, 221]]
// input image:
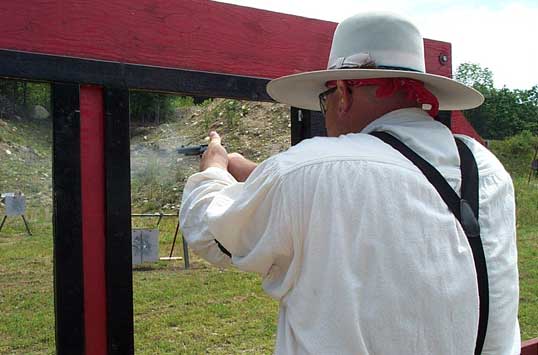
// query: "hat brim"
[[302, 90]]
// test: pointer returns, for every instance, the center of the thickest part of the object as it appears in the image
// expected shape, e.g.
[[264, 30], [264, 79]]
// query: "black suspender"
[[223, 249], [465, 209], [469, 193]]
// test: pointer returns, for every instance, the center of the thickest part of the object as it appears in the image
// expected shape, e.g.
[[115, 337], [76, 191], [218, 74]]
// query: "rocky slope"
[[256, 130]]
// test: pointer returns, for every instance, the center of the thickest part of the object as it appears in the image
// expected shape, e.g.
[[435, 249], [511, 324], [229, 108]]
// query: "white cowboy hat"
[[390, 46]]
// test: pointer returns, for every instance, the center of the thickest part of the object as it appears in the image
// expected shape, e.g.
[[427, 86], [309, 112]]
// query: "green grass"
[[527, 241], [26, 293], [201, 310]]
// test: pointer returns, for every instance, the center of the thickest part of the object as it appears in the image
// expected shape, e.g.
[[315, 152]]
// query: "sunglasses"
[[323, 100]]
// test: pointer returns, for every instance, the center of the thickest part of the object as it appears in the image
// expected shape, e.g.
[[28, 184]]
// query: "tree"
[[474, 75], [149, 107], [505, 112], [19, 97]]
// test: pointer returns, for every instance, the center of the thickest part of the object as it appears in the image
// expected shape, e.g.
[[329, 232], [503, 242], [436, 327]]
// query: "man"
[[358, 247]]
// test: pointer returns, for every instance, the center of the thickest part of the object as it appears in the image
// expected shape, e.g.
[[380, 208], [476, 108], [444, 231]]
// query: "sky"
[[499, 35]]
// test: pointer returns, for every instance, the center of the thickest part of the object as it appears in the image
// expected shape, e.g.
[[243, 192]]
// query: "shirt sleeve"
[[251, 220], [198, 193]]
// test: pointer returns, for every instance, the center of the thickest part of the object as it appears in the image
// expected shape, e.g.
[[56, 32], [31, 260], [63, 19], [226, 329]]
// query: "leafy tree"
[[505, 112], [474, 75], [21, 96], [155, 108], [149, 107]]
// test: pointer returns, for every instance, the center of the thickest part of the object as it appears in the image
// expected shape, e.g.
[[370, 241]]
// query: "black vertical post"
[[67, 226], [118, 222], [306, 124], [445, 117], [24, 94], [300, 124]]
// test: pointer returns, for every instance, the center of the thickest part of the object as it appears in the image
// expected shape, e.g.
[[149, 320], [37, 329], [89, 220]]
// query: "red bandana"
[[388, 86]]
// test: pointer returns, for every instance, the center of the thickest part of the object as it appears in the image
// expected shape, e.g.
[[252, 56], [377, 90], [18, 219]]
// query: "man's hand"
[[215, 155], [240, 167]]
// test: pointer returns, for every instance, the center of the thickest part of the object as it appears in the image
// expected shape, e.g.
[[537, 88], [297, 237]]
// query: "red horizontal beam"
[[183, 34]]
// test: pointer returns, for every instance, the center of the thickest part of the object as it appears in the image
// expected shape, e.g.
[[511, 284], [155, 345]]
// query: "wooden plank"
[[67, 220], [93, 217], [55, 68], [119, 278], [170, 33], [187, 34]]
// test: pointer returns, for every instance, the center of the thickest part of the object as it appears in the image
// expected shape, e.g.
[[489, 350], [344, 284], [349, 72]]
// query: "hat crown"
[[384, 40]]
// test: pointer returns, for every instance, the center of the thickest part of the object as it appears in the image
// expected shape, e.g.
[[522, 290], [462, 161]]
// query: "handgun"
[[192, 150]]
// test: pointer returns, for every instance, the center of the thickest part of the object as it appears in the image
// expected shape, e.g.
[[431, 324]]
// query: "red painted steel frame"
[[185, 34], [92, 167]]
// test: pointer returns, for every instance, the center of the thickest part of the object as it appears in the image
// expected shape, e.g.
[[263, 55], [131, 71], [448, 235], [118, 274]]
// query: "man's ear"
[[345, 97]]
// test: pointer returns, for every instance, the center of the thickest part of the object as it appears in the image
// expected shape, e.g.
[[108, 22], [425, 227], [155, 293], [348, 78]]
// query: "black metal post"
[[185, 252], [174, 242], [26, 225], [67, 227], [119, 278], [445, 117], [3, 221], [306, 124]]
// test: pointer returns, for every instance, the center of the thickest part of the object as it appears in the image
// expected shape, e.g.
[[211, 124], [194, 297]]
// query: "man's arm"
[[216, 156], [240, 167], [251, 219]]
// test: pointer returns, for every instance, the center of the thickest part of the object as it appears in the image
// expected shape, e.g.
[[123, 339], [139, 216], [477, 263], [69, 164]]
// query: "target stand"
[[15, 205]]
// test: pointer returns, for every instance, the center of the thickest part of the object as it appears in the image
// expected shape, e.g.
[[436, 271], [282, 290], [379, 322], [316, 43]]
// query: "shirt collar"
[[430, 139], [401, 117]]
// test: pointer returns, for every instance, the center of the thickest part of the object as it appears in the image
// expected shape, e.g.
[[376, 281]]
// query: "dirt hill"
[[25, 159], [256, 130]]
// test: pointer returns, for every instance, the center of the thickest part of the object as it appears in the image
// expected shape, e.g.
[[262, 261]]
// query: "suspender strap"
[[223, 249], [448, 194], [465, 209], [469, 192], [469, 176]]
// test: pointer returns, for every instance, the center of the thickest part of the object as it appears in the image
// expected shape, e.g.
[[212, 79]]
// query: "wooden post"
[[67, 199]]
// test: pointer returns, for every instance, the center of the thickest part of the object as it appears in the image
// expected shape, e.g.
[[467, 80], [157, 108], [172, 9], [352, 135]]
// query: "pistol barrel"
[[192, 150]]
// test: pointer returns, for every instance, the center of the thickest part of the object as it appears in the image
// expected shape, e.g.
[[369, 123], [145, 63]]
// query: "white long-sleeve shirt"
[[359, 248]]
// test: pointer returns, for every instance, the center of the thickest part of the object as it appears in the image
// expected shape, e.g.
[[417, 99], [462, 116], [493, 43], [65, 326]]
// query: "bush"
[[232, 111], [39, 94], [182, 101], [516, 152], [522, 143]]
